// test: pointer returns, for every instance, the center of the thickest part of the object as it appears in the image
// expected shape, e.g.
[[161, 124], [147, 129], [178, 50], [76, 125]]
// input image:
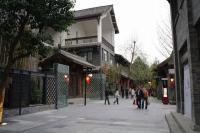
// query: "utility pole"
[[85, 89], [131, 63]]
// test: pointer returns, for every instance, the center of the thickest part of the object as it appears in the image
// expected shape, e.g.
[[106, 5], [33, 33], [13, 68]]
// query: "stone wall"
[[186, 44]]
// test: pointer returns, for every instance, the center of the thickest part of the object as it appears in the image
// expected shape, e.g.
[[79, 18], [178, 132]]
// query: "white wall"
[[58, 37], [108, 29], [90, 27], [76, 27], [84, 29]]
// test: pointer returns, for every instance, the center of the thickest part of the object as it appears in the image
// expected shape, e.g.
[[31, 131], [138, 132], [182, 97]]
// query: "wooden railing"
[[80, 40], [88, 39]]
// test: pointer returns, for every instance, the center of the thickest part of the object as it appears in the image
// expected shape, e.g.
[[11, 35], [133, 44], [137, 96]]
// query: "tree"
[[113, 74], [164, 33], [22, 28], [141, 71]]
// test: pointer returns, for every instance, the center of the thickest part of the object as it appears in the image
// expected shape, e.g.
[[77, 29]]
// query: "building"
[[92, 35], [165, 73], [125, 82], [186, 30], [92, 38]]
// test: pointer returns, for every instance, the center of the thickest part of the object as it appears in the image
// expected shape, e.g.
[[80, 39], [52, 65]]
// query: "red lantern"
[[88, 80]]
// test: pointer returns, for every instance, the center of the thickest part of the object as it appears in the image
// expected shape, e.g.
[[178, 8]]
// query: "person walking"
[[107, 96], [126, 92], [122, 91], [138, 98], [133, 95], [146, 98], [141, 95], [116, 96]]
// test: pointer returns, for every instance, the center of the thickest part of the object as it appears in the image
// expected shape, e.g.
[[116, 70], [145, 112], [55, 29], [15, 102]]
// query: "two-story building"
[[92, 38], [92, 35]]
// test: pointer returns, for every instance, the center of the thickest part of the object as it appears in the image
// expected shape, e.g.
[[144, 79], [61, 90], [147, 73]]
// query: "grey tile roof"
[[68, 57], [76, 59], [96, 12], [119, 58], [91, 12]]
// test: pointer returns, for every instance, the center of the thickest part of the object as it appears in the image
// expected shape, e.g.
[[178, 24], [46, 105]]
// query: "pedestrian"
[[138, 98], [146, 98], [141, 95], [133, 96], [122, 91], [132, 93], [116, 96], [107, 96], [126, 92]]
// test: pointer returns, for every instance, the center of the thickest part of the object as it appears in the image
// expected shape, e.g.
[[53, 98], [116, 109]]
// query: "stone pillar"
[[194, 61], [99, 30], [176, 65]]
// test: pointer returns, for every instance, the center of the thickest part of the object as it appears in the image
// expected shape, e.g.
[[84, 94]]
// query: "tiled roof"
[[96, 12], [91, 12], [120, 59], [76, 59], [68, 57]]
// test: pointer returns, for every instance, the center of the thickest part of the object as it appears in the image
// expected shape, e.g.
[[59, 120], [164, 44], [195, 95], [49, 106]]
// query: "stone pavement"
[[94, 118]]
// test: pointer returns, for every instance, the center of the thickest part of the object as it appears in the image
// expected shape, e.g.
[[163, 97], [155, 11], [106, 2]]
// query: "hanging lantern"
[[88, 80]]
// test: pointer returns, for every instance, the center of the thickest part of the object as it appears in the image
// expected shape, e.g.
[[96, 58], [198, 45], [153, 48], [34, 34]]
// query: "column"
[[99, 30]]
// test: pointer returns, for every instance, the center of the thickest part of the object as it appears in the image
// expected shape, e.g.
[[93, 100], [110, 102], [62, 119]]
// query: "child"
[[116, 96]]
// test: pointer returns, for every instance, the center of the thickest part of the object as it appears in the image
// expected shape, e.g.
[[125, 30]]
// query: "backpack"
[[145, 93]]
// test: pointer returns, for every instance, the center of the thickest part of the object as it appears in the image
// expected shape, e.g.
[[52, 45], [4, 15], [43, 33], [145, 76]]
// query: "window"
[[105, 55], [89, 56], [111, 59]]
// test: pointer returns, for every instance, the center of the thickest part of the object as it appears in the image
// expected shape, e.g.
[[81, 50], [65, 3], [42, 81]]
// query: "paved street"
[[94, 118]]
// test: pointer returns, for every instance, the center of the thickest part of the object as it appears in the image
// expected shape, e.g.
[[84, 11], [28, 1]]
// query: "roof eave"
[[114, 22]]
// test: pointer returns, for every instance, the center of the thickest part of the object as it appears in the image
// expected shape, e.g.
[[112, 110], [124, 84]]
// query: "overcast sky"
[[137, 20]]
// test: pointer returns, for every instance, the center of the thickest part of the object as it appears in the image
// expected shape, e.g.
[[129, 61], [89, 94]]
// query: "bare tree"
[[164, 33]]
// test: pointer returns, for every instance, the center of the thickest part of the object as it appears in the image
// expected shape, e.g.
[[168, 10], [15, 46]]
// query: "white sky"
[[136, 19]]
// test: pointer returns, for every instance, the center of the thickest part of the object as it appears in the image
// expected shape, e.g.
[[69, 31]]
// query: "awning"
[[66, 58]]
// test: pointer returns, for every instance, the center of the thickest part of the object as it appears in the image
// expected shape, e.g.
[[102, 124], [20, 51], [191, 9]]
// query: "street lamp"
[[172, 79], [87, 82]]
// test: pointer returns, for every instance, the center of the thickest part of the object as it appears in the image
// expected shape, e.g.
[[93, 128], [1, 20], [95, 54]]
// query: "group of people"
[[139, 96], [142, 100]]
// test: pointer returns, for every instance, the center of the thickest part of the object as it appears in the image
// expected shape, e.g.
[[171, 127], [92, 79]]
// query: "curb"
[[178, 123], [172, 124]]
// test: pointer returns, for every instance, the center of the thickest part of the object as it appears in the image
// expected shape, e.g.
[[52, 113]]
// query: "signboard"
[[171, 71], [87, 69]]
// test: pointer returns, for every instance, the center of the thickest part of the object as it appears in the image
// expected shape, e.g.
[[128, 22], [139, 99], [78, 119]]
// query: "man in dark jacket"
[[107, 96], [137, 97], [141, 98]]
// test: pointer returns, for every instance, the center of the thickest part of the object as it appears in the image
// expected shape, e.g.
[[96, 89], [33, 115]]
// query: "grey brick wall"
[[186, 33], [196, 10]]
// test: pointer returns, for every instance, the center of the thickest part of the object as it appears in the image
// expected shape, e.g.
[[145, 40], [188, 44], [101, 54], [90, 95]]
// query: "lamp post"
[[87, 82]]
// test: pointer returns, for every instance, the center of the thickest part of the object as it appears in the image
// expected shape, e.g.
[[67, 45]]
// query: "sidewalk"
[[95, 118], [180, 124]]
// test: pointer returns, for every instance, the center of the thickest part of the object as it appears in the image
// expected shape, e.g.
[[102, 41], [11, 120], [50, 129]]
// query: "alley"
[[94, 118]]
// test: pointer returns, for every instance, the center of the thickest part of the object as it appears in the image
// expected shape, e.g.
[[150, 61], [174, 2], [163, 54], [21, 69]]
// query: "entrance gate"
[[61, 71]]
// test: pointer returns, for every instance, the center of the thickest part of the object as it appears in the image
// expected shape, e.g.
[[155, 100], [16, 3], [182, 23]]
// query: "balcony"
[[86, 41]]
